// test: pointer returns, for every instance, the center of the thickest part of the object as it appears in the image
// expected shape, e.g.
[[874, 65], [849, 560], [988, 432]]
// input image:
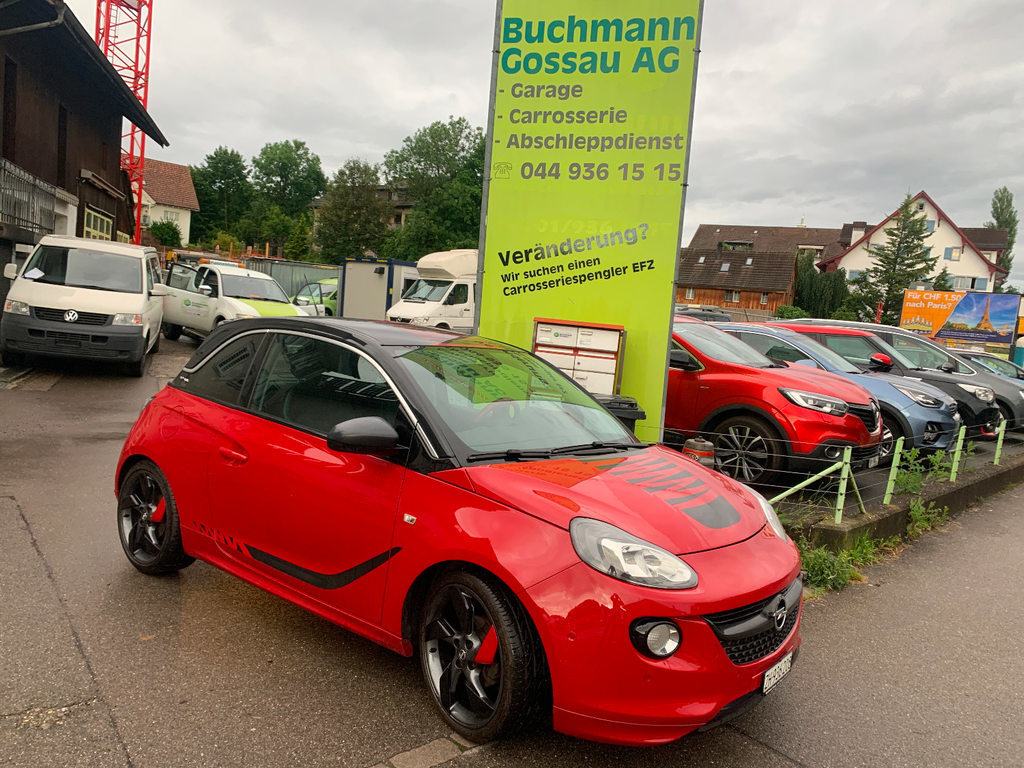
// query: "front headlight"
[[16, 307], [127, 318], [830, 405], [425, 320], [244, 317], [982, 393], [622, 556], [770, 516], [920, 397]]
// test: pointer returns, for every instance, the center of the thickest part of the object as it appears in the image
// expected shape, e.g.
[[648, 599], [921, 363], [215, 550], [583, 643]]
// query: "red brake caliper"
[[488, 648], [158, 513]]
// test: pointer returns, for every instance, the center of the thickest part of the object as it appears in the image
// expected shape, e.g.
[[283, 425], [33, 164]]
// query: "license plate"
[[873, 462], [774, 675]]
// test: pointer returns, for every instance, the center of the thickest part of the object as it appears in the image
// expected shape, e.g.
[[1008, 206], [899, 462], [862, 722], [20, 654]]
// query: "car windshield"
[[84, 268], [497, 399], [259, 288], [832, 360], [998, 365], [427, 290], [926, 354], [720, 346]]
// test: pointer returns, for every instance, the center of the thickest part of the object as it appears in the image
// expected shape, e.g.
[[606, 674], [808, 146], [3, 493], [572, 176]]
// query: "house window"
[[690, 292], [737, 245], [980, 284], [929, 225], [952, 254], [725, 266], [171, 216], [98, 225], [732, 296], [961, 283], [920, 206], [700, 260], [853, 274], [764, 299], [750, 260]]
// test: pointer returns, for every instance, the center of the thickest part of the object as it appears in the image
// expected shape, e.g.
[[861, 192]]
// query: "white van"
[[444, 296], [82, 298]]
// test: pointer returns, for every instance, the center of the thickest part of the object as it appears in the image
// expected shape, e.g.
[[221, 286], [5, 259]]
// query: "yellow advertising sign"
[[587, 156], [989, 318]]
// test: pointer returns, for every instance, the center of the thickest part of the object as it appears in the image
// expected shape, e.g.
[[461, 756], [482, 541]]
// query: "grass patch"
[[924, 519]]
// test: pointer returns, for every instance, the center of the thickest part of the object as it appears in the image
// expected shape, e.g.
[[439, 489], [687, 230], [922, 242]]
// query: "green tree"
[[223, 190], [1004, 216], [288, 175], [789, 312], [166, 233], [899, 262], [818, 293], [441, 167], [943, 281], [276, 229], [353, 217], [298, 246]]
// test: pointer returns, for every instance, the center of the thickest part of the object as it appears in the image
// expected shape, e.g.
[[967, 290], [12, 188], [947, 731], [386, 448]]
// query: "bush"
[[166, 233], [826, 569], [789, 312]]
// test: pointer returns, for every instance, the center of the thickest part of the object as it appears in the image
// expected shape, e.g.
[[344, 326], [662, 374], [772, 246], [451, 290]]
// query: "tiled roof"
[[170, 184], [987, 238], [766, 271], [768, 239]]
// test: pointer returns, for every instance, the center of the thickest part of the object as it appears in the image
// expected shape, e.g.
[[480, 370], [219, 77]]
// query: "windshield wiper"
[[597, 445], [512, 454]]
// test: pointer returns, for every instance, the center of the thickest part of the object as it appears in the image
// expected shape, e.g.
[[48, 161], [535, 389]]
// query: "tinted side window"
[[856, 349], [182, 277], [776, 349], [314, 384], [222, 376]]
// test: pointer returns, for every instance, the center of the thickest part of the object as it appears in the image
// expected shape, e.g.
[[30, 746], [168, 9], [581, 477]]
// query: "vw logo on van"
[[71, 316]]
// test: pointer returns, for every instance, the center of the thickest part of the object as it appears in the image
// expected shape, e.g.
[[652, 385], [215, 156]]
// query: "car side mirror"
[[206, 290], [948, 366], [158, 289], [302, 301], [681, 360], [366, 434], [10, 271], [880, 362]]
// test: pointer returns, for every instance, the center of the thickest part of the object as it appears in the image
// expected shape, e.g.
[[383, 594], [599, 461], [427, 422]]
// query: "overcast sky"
[[823, 111]]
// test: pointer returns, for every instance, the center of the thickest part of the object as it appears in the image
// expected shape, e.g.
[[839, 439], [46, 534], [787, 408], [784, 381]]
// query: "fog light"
[[655, 638], [931, 432], [833, 452]]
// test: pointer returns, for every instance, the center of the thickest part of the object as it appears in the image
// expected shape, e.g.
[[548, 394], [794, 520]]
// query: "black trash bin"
[[625, 409]]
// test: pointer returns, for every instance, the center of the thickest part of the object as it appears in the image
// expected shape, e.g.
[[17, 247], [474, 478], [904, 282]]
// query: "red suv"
[[763, 418]]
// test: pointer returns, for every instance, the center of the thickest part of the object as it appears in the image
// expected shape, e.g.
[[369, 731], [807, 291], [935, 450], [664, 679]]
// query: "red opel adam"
[[461, 500]]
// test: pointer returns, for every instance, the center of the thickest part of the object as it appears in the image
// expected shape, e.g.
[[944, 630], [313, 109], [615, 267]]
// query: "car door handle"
[[236, 457]]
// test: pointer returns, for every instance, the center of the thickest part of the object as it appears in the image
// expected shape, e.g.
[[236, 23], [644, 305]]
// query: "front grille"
[[60, 337], [867, 414], [748, 633], [864, 452], [401, 320], [57, 316]]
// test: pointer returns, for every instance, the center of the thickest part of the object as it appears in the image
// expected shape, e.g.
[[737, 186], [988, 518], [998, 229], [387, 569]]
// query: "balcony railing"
[[26, 201]]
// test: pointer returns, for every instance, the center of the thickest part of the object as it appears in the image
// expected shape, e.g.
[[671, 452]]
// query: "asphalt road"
[[101, 666]]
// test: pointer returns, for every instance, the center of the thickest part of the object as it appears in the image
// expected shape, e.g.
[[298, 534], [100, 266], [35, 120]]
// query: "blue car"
[[925, 416]]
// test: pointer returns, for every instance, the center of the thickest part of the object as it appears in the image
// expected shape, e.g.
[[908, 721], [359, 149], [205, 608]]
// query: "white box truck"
[[444, 294]]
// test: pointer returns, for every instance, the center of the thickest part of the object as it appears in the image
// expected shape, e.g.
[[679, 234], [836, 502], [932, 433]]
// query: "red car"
[[461, 500], [764, 418]]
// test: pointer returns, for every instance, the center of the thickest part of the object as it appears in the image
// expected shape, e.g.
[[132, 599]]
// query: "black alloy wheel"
[[171, 331], [481, 658], [746, 449], [891, 432], [147, 521]]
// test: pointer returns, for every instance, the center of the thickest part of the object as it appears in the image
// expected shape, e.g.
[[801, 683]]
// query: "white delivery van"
[[444, 294], [200, 299], [83, 298]]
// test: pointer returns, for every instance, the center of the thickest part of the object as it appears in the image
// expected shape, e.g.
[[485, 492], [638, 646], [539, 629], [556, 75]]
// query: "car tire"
[[171, 331], [327, 312], [12, 358], [137, 367], [147, 521], [443, 326], [1007, 413], [156, 345], [465, 616], [891, 432], [748, 449]]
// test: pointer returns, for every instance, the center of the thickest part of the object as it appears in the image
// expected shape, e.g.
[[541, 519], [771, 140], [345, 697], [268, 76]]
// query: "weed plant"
[[924, 519]]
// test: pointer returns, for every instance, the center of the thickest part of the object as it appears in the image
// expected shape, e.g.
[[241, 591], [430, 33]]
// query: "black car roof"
[[366, 333]]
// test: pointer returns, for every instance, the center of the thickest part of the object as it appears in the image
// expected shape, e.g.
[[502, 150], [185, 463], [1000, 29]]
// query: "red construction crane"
[[122, 32]]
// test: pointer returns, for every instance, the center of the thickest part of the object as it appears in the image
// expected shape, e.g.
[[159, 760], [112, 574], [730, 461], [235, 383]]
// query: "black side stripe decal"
[[322, 580]]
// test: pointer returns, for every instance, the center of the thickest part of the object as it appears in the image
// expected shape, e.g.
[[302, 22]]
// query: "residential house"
[[168, 195], [60, 136], [735, 279], [969, 255]]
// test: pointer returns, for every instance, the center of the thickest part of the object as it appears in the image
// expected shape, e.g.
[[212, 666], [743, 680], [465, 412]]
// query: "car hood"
[[266, 308], [655, 493], [907, 382], [820, 382]]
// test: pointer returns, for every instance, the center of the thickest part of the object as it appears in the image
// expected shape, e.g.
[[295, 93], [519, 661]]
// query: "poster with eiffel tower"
[[985, 318]]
